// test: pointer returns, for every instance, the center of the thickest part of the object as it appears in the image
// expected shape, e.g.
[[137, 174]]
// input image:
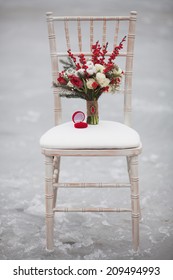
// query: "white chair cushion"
[[106, 135]]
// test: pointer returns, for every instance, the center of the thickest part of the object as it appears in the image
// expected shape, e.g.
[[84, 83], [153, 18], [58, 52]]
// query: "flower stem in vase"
[[92, 112]]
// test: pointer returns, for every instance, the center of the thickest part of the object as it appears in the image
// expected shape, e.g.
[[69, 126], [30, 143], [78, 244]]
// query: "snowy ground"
[[26, 112]]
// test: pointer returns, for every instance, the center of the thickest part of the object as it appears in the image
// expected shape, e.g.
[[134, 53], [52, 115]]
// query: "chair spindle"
[[67, 36]]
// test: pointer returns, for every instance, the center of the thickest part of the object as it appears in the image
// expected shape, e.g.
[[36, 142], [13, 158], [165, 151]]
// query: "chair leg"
[[128, 167], [56, 163], [49, 196], [133, 163]]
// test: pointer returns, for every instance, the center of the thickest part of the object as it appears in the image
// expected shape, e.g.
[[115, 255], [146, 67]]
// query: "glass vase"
[[92, 112]]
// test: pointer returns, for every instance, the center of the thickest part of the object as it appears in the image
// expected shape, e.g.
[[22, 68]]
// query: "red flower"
[[95, 85], [112, 81], [109, 67], [76, 81], [61, 80], [118, 80], [105, 88]]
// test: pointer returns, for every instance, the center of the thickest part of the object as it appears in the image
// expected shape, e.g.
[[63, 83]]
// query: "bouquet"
[[88, 79]]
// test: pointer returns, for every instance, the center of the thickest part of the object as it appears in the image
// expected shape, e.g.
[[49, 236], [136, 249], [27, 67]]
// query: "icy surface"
[[26, 113]]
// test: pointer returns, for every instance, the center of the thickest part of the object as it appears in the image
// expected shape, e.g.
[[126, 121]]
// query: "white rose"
[[89, 83], [89, 63], [117, 72], [91, 70], [105, 82], [99, 68], [102, 80], [81, 71]]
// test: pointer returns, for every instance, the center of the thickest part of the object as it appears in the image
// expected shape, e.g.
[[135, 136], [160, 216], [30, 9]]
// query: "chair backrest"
[[78, 33]]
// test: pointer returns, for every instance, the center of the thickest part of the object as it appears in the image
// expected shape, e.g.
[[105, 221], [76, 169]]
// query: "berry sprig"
[[116, 50]]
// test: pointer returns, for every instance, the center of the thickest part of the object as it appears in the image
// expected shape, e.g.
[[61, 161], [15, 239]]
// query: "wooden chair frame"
[[52, 156]]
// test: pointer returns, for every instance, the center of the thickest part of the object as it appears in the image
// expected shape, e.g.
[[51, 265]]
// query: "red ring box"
[[78, 119]]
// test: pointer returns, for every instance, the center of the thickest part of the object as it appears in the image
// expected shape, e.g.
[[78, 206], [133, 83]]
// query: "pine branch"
[[62, 86], [70, 92], [69, 63], [72, 95]]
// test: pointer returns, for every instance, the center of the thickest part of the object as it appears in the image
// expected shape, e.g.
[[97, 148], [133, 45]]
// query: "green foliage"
[[69, 63]]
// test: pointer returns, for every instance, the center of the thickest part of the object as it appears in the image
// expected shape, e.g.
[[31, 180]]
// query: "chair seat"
[[105, 135]]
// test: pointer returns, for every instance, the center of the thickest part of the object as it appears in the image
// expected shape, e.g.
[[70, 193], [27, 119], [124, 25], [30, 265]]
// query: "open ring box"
[[78, 119]]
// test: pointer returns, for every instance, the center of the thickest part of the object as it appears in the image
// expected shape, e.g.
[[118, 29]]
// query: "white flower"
[[70, 71], [102, 80], [100, 77], [91, 70], [89, 63], [89, 83], [81, 71], [69, 84], [99, 68], [118, 71]]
